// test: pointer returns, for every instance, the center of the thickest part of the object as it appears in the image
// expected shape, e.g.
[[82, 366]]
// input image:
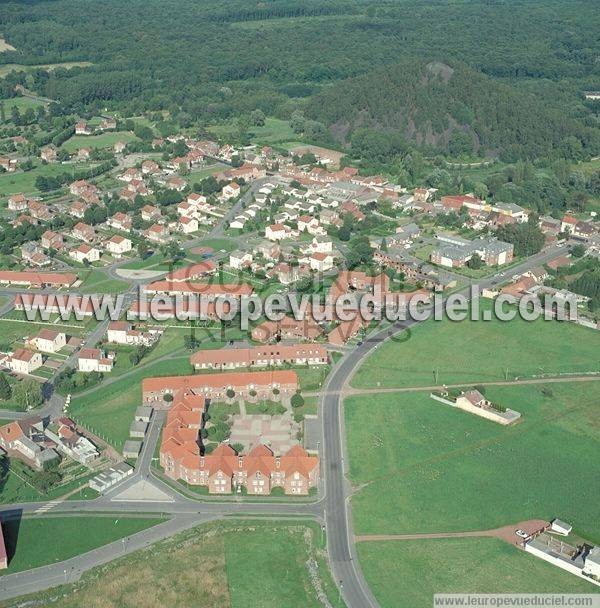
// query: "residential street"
[[332, 507]]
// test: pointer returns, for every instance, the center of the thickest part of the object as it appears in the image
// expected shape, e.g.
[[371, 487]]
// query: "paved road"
[[332, 507]]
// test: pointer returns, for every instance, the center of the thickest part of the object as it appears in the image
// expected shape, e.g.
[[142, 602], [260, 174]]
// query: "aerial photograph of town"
[[299, 303]]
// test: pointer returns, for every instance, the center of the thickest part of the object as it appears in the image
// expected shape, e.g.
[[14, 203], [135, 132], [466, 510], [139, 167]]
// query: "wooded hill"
[[450, 107]]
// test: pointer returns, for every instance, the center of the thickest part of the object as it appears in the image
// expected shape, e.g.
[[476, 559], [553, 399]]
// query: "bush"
[[168, 397]]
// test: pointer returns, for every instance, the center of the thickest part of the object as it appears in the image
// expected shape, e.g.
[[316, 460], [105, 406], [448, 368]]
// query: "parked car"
[[521, 533]]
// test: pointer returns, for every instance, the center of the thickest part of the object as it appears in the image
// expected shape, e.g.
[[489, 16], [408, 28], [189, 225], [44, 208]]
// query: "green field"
[[479, 351], [274, 131], [98, 281], [20, 102], [103, 140], [108, 409], [44, 540], [421, 466], [462, 565], [257, 564], [13, 183], [16, 331]]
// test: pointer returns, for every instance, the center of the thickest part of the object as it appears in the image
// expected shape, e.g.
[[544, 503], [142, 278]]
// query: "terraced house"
[[224, 471], [260, 356]]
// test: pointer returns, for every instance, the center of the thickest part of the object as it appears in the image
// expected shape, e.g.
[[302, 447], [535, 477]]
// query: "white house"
[[94, 360], [230, 191], [24, 361], [117, 245], [187, 225], [321, 262], [49, 341], [278, 232], [239, 259], [85, 252]]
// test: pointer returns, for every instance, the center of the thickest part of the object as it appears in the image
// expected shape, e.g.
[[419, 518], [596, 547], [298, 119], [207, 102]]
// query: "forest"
[[460, 78]]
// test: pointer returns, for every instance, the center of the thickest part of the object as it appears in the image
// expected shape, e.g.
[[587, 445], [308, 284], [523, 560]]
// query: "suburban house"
[[187, 225], [85, 253], [52, 240], [49, 341], [157, 233], [240, 259], [122, 332], [150, 213], [120, 221], [94, 360], [25, 439], [117, 245], [83, 232], [82, 128], [24, 361], [18, 202], [278, 232], [230, 191], [260, 356], [70, 442], [321, 262]]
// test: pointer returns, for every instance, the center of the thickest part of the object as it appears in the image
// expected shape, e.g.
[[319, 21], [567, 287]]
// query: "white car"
[[521, 533]]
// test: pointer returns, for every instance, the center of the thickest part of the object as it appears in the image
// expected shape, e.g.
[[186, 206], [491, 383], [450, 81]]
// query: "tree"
[[5, 389], [28, 394], [258, 118], [297, 400], [360, 252], [475, 262]]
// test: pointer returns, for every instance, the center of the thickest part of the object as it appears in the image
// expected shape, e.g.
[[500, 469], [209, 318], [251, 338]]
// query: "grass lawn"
[[274, 131], [108, 410], [479, 351], [425, 467], [311, 378], [219, 243], [104, 140], [24, 181], [16, 487], [22, 103], [33, 542], [219, 563], [458, 565], [16, 331], [98, 281]]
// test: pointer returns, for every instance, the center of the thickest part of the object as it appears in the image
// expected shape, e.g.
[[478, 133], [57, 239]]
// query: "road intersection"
[[331, 508]]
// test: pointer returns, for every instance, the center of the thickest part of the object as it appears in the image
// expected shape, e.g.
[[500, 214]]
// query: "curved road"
[[333, 506]]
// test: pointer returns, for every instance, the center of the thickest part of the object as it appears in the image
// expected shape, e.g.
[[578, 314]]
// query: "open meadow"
[[458, 565], [420, 466], [447, 352], [213, 566]]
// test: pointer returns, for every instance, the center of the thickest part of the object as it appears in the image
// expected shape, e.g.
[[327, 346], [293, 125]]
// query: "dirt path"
[[350, 391], [505, 533]]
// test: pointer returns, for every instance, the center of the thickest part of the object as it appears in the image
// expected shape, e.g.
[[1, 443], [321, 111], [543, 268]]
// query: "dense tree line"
[[200, 62]]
